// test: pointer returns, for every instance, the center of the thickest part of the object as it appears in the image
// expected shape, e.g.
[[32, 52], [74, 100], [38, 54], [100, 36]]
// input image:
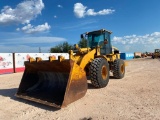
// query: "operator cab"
[[157, 50], [100, 38]]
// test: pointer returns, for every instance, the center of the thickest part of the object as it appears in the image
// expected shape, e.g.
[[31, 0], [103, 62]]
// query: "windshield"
[[94, 39], [157, 50]]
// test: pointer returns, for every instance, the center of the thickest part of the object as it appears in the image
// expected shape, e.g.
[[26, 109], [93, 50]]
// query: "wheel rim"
[[122, 68], [104, 72]]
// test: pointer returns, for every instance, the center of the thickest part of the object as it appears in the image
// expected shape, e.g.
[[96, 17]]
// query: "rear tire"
[[119, 69], [99, 72]]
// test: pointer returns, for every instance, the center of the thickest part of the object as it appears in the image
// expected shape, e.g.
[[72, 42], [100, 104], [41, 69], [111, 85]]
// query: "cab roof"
[[99, 31]]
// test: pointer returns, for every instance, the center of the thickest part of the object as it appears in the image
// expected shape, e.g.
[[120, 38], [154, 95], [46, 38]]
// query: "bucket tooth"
[[31, 59], [51, 58], [38, 59], [61, 58]]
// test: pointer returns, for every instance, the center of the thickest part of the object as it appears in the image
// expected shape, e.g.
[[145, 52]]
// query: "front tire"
[[99, 72], [119, 69]]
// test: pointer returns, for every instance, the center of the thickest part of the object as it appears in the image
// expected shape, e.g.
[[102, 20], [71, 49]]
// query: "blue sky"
[[26, 25]]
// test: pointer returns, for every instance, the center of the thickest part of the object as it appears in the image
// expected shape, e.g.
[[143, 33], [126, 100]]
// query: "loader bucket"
[[53, 83]]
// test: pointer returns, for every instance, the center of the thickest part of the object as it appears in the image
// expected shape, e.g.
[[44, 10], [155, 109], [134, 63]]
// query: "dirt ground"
[[136, 96]]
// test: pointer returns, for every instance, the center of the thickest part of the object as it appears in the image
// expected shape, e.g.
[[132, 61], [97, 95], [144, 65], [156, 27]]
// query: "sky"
[[33, 25]]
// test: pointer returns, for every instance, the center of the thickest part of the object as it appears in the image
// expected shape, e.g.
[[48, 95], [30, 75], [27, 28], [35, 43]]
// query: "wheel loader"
[[59, 82], [156, 53]]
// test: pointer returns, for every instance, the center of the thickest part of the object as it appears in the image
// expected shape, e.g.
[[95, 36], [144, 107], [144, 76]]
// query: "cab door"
[[106, 46]]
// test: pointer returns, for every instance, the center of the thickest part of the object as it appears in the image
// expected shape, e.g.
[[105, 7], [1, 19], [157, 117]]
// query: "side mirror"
[[82, 36]]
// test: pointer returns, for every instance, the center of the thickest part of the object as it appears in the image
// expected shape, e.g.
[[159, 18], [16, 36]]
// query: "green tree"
[[61, 48], [82, 43]]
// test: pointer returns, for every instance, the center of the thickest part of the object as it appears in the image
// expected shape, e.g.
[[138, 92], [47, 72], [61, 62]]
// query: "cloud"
[[138, 43], [134, 39], [60, 6], [23, 13], [80, 11], [31, 29], [28, 44], [91, 12], [55, 16]]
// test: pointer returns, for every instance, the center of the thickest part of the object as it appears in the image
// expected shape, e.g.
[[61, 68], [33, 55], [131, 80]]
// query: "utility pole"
[[39, 49]]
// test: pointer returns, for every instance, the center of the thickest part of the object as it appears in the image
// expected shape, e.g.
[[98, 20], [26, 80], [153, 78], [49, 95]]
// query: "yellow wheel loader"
[[60, 82], [156, 53]]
